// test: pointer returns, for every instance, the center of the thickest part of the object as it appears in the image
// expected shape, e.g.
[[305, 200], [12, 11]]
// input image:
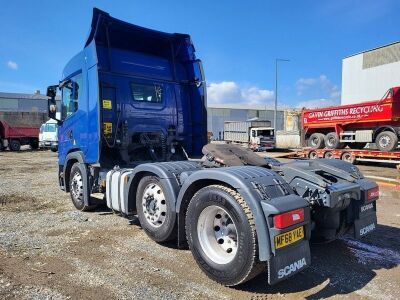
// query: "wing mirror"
[[51, 103]]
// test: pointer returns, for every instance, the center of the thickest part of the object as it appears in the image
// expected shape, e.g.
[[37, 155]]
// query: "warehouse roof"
[[397, 42], [24, 96], [243, 106]]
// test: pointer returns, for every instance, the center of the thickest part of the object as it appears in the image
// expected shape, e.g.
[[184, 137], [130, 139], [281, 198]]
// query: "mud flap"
[[364, 226], [288, 262]]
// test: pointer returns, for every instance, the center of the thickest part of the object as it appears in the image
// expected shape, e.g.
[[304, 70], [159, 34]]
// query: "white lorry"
[[48, 135], [258, 135]]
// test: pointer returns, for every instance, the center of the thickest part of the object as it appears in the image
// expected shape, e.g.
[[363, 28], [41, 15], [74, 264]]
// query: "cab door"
[[71, 133]]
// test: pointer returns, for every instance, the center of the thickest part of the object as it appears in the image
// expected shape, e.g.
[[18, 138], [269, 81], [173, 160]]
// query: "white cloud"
[[231, 92], [12, 65], [322, 91]]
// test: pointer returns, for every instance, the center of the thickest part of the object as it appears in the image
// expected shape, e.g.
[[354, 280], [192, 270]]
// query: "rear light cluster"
[[373, 194], [289, 218]]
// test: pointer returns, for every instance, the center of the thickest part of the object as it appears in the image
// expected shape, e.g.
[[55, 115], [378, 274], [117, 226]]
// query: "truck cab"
[[48, 135], [132, 94], [262, 138]]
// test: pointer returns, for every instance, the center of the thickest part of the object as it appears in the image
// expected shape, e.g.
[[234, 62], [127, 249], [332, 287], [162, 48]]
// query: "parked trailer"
[[352, 155], [136, 111], [355, 125], [257, 135], [14, 137]]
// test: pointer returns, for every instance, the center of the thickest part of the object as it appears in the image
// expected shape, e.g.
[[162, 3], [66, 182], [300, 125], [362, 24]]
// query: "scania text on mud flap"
[[134, 111]]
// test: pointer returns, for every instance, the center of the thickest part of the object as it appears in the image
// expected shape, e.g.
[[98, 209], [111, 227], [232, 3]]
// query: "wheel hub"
[[217, 234], [384, 141], [154, 205], [314, 141]]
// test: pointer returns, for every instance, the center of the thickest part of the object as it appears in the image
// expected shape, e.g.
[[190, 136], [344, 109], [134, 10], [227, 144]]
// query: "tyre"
[[347, 156], [15, 145], [313, 155], [76, 189], [386, 141], [328, 154], [332, 141], [316, 141], [54, 149], [222, 236], [155, 212]]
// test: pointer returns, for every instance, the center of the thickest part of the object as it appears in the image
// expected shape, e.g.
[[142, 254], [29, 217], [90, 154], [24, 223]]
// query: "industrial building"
[[17, 102], [369, 74], [218, 114], [29, 110]]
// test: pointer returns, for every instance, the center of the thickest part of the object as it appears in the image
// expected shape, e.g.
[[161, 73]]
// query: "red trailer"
[[355, 125], [13, 137], [353, 155]]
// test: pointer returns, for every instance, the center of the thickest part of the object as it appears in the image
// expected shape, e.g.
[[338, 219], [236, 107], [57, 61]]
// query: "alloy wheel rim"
[[217, 234], [77, 187], [154, 205]]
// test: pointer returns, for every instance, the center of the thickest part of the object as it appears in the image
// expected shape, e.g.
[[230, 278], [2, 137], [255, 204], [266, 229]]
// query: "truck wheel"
[[347, 156], [313, 155], [316, 141], [155, 211], [15, 145], [76, 189], [386, 141], [332, 141], [222, 236], [328, 154]]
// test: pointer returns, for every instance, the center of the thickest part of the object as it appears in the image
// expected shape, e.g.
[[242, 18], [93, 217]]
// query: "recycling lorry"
[[355, 125], [257, 135], [133, 130]]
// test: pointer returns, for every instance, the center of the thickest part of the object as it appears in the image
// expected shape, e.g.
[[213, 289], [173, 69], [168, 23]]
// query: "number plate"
[[290, 237]]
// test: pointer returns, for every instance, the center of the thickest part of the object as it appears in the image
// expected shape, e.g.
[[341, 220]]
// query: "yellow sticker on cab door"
[[107, 104], [107, 128]]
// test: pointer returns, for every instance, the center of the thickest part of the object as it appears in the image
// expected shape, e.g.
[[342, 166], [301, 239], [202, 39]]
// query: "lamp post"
[[276, 89]]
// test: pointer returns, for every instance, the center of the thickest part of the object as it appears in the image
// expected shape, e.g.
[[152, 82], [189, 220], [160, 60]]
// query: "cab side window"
[[149, 93], [71, 93]]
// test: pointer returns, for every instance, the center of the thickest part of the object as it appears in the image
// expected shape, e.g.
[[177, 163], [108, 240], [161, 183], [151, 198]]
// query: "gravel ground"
[[50, 251]]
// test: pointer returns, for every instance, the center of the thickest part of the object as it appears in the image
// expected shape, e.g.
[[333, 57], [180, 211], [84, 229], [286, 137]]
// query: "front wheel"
[[221, 235], [76, 189]]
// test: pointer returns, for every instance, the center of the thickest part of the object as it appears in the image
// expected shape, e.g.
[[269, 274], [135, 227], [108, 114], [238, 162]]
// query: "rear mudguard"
[[265, 192], [168, 173]]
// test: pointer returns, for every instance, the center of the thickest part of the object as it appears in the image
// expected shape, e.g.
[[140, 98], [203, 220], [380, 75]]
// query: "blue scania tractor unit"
[[133, 132]]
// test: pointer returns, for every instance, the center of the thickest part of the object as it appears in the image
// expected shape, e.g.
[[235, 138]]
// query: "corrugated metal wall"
[[367, 76], [25, 105]]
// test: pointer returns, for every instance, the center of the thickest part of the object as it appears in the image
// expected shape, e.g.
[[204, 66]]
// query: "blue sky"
[[238, 42]]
